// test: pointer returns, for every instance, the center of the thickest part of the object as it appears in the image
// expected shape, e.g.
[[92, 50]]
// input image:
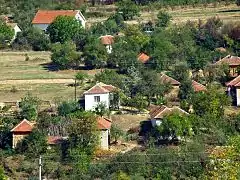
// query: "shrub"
[[13, 89]]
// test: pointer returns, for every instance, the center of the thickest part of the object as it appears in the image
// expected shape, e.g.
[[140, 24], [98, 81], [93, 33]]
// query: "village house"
[[167, 79], [104, 126], [20, 131], [107, 41], [44, 18], [159, 112], [99, 94], [233, 62], [25, 127], [233, 90], [144, 58]]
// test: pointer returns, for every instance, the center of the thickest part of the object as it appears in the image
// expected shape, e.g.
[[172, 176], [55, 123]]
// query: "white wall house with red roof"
[[44, 18], [100, 93]]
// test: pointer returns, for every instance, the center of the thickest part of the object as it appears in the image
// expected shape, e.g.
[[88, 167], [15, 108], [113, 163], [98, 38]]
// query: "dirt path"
[[37, 81]]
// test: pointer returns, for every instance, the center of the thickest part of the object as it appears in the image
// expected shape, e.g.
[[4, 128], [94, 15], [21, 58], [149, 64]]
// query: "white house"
[[107, 41], [44, 18], [100, 93], [16, 29], [234, 90], [159, 112]]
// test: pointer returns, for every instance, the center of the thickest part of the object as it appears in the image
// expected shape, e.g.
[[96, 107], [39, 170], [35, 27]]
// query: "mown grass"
[[14, 66], [46, 92]]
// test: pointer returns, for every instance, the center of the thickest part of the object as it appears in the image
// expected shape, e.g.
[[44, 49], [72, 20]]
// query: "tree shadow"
[[53, 67], [50, 66], [230, 10]]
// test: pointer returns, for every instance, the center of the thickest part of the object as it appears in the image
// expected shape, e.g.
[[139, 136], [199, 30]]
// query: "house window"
[[96, 98]]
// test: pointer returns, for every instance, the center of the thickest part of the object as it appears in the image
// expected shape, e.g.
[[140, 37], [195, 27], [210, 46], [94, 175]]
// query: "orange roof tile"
[[107, 39], [161, 111], [54, 140], [167, 79], [231, 60], [23, 126], [235, 82], [143, 57], [103, 123], [100, 88], [48, 16], [197, 87]]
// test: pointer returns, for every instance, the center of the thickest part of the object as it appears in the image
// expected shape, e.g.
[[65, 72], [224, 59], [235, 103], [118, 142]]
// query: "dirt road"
[[37, 81]]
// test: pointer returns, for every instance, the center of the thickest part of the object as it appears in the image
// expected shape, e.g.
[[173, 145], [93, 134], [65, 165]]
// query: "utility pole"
[[75, 92], [40, 168]]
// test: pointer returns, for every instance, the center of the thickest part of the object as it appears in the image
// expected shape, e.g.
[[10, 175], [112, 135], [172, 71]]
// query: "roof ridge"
[[24, 120]]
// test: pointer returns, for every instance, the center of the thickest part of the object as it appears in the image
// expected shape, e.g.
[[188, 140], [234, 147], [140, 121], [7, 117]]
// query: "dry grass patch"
[[127, 121]]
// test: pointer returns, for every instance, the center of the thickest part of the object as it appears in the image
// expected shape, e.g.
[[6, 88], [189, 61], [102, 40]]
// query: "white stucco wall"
[[156, 122], [104, 139], [238, 96], [109, 48], [41, 26], [16, 30], [80, 18], [90, 104]]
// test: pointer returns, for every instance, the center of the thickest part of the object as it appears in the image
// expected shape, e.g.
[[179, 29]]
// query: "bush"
[[13, 89], [32, 38]]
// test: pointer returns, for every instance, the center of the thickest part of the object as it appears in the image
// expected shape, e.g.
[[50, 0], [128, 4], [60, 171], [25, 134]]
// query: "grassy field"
[[15, 67], [181, 14]]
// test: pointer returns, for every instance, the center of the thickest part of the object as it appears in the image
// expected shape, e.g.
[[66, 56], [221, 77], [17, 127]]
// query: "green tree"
[[175, 125], [6, 34], [29, 106], [32, 38], [65, 55], [64, 28], [83, 134], [211, 102], [95, 54], [101, 109], [186, 89], [163, 19], [66, 108], [116, 132], [34, 144], [128, 9], [80, 77], [161, 51]]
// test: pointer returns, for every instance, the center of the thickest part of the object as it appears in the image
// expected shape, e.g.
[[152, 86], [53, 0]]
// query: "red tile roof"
[[107, 39], [235, 82], [160, 111], [231, 60], [167, 79], [54, 140], [100, 88], [23, 126], [103, 123], [47, 17], [143, 57], [197, 87]]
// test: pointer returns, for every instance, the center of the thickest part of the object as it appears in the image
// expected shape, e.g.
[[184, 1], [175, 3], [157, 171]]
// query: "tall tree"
[[65, 55], [128, 9], [95, 54], [163, 19], [64, 28], [29, 106], [83, 134]]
